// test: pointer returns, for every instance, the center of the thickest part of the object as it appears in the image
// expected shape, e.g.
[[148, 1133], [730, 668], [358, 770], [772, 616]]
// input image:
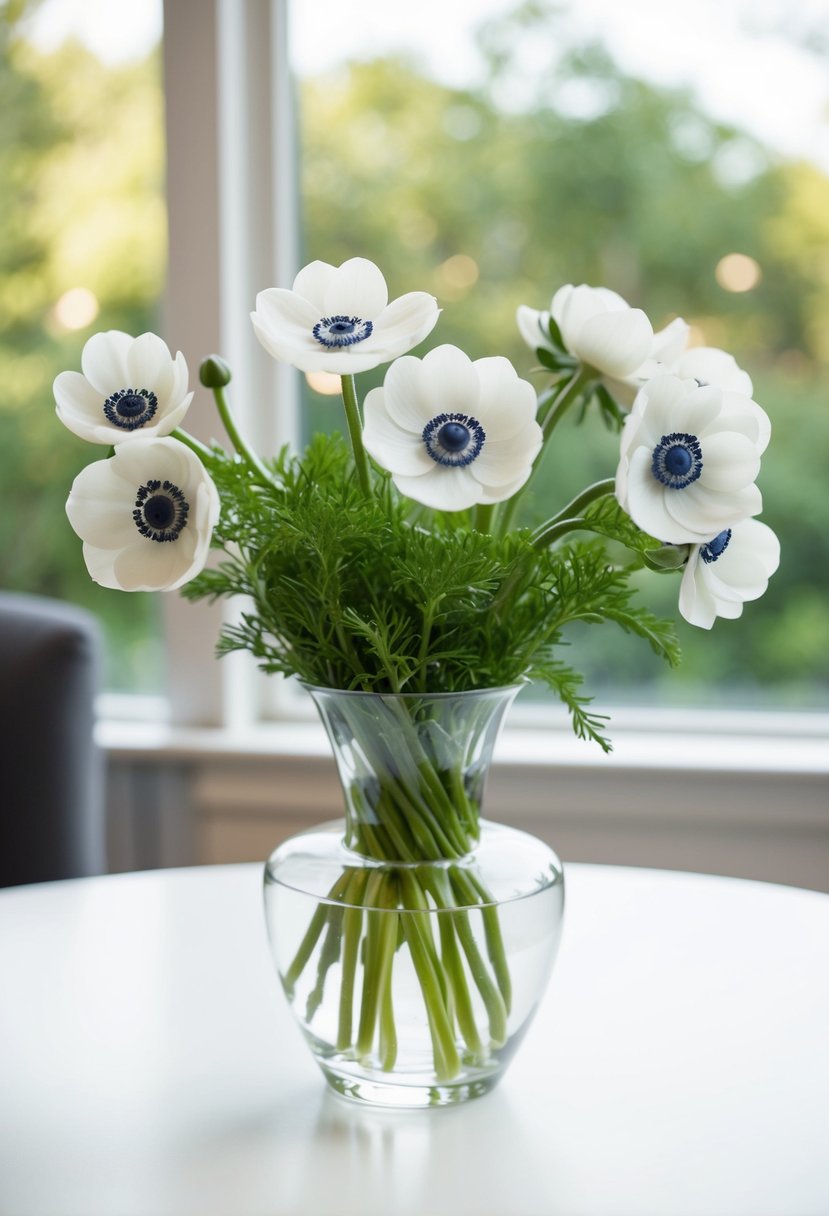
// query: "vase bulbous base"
[[407, 1093], [404, 1003]]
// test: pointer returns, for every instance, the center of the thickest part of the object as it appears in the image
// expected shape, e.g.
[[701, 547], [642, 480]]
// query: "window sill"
[[642, 740], [745, 795]]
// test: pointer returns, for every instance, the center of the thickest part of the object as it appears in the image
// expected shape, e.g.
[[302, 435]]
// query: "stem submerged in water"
[[413, 777]]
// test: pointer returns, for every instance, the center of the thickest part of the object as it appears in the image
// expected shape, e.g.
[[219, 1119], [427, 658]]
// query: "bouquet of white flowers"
[[388, 564]]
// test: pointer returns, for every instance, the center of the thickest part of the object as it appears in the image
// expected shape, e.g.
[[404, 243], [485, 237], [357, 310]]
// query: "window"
[[490, 153], [515, 151], [82, 247], [234, 117]]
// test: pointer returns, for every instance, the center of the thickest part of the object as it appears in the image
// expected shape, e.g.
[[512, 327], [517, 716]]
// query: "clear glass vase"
[[413, 939]]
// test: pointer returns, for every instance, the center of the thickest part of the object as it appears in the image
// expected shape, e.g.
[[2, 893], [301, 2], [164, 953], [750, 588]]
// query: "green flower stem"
[[440, 812], [507, 511], [396, 750], [504, 596], [234, 434], [331, 946], [425, 638], [570, 517], [497, 953], [427, 967], [491, 995], [388, 1029], [422, 786], [400, 798], [306, 948], [442, 836], [414, 806], [385, 835], [494, 1002], [355, 433], [552, 408], [467, 814], [347, 645], [329, 954], [405, 834], [403, 727], [484, 513], [404, 813], [442, 820], [381, 942], [548, 532], [561, 403], [190, 441], [434, 786], [312, 933], [352, 931], [453, 968], [471, 890]]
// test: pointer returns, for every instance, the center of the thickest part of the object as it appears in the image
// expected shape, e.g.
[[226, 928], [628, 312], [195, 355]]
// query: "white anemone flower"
[[709, 365], [338, 319], [130, 387], [689, 457], [453, 433], [670, 353], [596, 325], [728, 571], [667, 346], [145, 516]]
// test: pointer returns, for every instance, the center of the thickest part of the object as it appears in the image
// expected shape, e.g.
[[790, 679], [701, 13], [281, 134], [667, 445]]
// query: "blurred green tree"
[[604, 179], [82, 247], [485, 200]]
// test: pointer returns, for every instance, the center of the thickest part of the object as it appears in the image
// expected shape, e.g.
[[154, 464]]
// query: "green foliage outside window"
[[448, 192], [490, 210], [81, 196]]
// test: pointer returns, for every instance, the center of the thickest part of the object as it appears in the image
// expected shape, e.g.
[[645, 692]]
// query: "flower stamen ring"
[[342, 331], [716, 547], [453, 439], [677, 460], [130, 408], [161, 510]]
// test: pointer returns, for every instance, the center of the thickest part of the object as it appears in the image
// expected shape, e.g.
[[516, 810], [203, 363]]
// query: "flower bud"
[[214, 372]]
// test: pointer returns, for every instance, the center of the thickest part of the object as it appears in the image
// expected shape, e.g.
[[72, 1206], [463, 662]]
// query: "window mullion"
[[191, 312], [231, 186]]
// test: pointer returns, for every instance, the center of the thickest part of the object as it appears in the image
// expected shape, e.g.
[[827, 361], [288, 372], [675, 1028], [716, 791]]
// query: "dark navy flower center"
[[716, 547], [130, 408], [453, 436], [453, 439], [677, 460], [342, 331], [161, 510]]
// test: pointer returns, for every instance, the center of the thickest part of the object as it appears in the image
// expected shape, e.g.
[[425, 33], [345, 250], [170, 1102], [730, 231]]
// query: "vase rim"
[[404, 696]]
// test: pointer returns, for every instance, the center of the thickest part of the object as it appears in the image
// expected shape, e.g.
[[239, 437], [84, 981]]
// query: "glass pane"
[[82, 249], [489, 154]]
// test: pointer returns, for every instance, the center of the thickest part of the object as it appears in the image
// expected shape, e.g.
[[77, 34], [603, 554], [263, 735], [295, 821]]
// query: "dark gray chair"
[[51, 775]]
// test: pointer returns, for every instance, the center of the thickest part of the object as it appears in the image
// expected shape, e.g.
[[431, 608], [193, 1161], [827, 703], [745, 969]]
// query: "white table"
[[149, 1065]]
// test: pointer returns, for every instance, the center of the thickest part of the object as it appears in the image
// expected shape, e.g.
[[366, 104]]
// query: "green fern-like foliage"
[[352, 592]]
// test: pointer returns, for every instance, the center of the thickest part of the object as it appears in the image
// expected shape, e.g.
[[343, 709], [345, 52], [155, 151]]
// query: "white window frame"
[[232, 231]]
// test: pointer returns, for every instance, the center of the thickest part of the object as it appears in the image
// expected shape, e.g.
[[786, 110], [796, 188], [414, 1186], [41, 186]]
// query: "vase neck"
[[413, 769]]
